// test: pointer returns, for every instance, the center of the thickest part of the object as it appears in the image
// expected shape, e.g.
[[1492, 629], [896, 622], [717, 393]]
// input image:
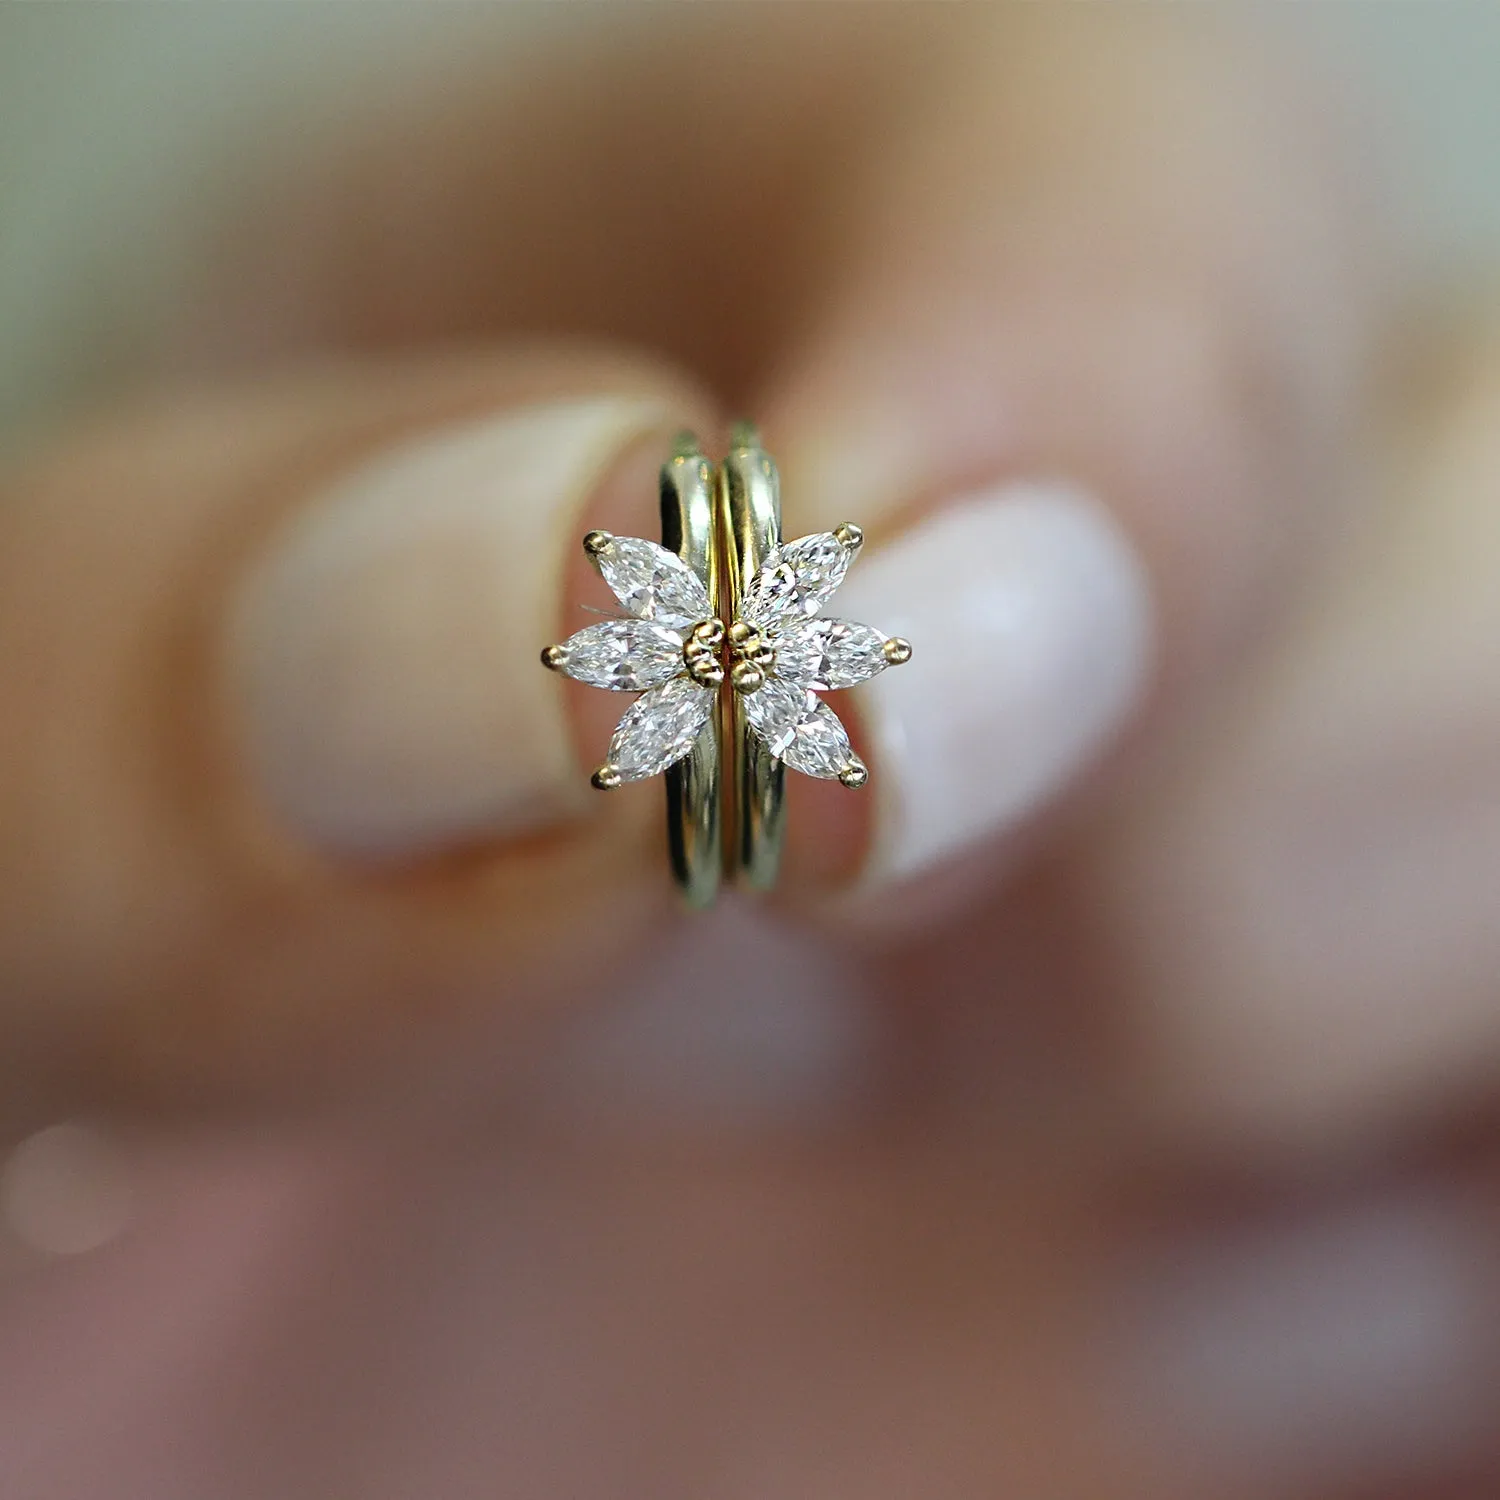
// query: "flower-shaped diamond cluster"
[[780, 653]]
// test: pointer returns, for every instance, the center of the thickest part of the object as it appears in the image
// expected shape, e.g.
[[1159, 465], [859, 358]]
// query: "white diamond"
[[818, 746], [829, 654], [660, 728], [796, 579], [774, 711], [652, 583], [627, 655]]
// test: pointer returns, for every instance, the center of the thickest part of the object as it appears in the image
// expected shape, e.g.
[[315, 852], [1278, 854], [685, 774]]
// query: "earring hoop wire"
[[695, 839], [749, 495]]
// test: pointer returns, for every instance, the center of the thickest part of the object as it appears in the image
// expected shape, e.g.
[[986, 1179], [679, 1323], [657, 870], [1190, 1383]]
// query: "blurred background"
[[133, 134], [401, 1307]]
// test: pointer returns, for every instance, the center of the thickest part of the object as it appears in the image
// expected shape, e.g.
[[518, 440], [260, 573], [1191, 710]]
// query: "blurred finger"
[[1081, 288], [282, 762], [890, 1316], [1303, 911], [1085, 371]]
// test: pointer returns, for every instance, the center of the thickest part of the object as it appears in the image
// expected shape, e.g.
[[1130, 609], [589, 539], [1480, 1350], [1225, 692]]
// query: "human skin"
[[1104, 286]]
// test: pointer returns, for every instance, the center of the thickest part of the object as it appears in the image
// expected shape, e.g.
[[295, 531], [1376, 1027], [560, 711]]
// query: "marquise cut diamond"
[[660, 727], [627, 656], [652, 583], [796, 579], [775, 710], [818, 746], [829, 654]]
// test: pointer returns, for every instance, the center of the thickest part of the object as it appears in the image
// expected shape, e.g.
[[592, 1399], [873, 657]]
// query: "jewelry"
[[725, 708]]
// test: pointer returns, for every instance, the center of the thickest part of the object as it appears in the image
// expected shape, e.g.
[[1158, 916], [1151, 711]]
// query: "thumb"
[[280, 760], [1091, 400]]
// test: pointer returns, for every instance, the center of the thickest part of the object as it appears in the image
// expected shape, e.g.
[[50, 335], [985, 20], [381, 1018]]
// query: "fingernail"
[[1364, 1340], [1030, 618], [383, 650]]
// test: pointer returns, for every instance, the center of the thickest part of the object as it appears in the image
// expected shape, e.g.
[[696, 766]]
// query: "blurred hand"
[[1066, 313], [1073, 312]]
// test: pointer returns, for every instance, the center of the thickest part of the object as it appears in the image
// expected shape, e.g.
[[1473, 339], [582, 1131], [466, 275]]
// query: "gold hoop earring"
[[725, 708]]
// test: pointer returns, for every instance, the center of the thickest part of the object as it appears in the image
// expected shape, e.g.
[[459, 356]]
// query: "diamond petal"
[[627, 655], [796, 579], [652, 583], [660, 727], [775, 709], [818, 746], [829, 654]]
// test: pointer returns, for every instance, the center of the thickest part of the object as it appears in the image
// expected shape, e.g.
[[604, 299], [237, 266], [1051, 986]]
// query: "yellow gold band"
[[749, 494], [694, 799]]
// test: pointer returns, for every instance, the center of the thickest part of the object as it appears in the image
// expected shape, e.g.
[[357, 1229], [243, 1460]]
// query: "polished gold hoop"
[[689, 500], [749, 494]]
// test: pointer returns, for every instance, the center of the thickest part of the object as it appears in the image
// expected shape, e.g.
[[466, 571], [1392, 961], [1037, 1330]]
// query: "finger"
[[1084, 369], [281, 763], [909, 1316], [1093, 249], [1302, 913]]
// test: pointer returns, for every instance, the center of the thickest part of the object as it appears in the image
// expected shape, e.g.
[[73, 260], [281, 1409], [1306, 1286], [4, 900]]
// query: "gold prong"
[[709, 633], [597, 542], [763, 654], [850, 535], [740, 632], [703, 666], [747, 677], [855, 774], [897, 650], [606, 778], [555, 657]]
